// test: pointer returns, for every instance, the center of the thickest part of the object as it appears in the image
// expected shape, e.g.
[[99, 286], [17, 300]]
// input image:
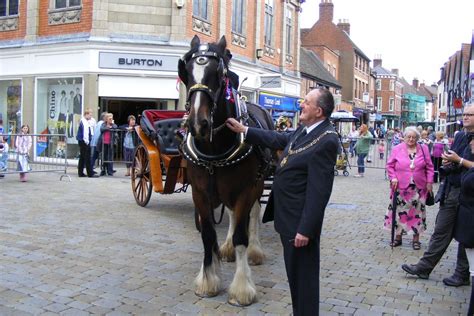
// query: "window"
[[378, 84], [8, 7], [238, 16], [392, 85], [60, 4], [268, 37], [391, 104], [200, 9], [289, 32], [379, 103], [10, 106]]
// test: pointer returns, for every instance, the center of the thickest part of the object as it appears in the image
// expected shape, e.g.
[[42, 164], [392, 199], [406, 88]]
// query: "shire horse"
[[222, 169]]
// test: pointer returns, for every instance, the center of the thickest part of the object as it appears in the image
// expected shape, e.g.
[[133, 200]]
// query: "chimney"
[[415, 83], [395, 71], [344, 25], [326, 10], [377, 62]]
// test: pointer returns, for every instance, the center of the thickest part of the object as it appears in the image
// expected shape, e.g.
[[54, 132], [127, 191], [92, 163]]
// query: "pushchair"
[[342, 163]]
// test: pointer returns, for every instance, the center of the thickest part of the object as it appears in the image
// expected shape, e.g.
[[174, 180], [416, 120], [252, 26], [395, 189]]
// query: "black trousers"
[[302, 270], [84, 159], [443, 234]]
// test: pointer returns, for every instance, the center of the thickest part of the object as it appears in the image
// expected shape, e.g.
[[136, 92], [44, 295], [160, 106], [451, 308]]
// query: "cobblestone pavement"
[[84, 247]]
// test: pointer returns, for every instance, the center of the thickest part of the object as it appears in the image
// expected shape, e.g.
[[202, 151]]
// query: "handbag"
[[430, 199]]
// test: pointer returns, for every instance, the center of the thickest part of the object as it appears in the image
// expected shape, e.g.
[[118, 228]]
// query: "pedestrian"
[[381, 149], [410, 171], [449, 194], [439, 146], [23, 143], [108, 139], [84, 136], [130, 141], [301, 189], [396, 137], [96, 143], [353, 135], [362, 149], [3, 156], [425, 139]]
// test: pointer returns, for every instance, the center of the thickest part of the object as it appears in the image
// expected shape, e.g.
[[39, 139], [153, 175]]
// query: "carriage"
[[158, 165]]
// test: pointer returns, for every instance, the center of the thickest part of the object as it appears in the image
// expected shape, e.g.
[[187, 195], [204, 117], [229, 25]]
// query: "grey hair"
[[413, 129]]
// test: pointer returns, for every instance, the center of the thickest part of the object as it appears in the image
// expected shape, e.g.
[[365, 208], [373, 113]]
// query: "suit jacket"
[[398, 166], [302, 187]]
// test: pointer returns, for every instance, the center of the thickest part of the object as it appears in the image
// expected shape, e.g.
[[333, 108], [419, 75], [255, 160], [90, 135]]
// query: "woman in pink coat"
[[410, 171]]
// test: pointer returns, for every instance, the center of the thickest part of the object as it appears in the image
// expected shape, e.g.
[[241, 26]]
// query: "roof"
[[356, 48], [408, 88], [379, 70], [312, 66]]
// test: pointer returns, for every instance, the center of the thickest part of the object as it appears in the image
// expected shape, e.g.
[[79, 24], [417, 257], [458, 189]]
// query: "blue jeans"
[[360, 163]]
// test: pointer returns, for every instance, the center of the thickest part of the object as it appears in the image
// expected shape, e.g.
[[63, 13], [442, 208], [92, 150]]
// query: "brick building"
[[341, 55], [387, 95], [61, 56]]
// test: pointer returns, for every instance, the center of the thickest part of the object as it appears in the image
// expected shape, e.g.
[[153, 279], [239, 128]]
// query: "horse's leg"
[[255, 252], [227, 250], [208, 281], [242, 290]]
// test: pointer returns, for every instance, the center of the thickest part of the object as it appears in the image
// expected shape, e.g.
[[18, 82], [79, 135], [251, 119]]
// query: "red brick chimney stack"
[[345, 26], [415, 82], [326, 10]]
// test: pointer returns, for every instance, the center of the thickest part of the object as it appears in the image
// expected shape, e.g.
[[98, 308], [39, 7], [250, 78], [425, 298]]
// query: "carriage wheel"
[[336, 173], [141, 176], [346, 173]]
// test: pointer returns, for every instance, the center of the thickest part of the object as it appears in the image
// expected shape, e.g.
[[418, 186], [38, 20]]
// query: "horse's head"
[[204, 71]]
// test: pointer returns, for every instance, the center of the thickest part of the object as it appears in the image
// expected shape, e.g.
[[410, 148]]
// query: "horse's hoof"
[[206, 295], [234, 302], [256, 256]]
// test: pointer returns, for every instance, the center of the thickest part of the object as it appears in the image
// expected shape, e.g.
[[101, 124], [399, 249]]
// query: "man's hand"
[[235, 126], [300, 240]]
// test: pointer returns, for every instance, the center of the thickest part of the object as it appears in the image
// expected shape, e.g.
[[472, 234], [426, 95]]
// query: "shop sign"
[[270, 81], [138, 61], [270, 101]]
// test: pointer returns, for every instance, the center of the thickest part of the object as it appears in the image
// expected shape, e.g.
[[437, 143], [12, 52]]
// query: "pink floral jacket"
[[398, 166]]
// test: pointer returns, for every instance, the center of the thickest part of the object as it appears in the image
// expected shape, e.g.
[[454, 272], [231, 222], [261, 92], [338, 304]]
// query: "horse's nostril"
[[204, 124]]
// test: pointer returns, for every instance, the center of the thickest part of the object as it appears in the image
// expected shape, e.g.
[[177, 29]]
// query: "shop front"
[[280, 106], [10, 106]]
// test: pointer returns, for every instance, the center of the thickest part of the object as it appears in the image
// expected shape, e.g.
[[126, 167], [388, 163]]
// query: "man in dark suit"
[[301, 190]]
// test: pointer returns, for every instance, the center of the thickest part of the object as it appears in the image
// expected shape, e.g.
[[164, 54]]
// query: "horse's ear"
[[195, 41], [222, 44], [182, 73]]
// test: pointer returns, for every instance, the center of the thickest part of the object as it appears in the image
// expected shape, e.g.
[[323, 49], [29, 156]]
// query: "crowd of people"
[[99, 139]]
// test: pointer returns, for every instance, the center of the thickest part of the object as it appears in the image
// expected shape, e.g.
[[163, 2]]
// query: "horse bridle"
[[201, 57]]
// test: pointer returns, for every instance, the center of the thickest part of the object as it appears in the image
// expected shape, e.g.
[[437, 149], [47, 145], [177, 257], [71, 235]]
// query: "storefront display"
[[10, 105], [59, 111]]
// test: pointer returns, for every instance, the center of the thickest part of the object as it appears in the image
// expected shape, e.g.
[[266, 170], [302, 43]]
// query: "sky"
[[415, 36]]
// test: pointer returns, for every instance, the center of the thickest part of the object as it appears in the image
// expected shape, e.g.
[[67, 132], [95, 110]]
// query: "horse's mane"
[[213, 47]]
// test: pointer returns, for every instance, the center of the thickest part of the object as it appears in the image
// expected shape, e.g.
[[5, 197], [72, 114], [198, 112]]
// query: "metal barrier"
[[114, 152], [48, 153], [347, 159]]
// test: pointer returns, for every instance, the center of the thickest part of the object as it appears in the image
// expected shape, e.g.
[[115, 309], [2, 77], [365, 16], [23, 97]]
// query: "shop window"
[[8, 7], [10, 108], [59, 110]]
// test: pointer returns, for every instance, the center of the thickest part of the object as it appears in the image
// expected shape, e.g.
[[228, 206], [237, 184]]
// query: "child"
[[129, 143], [381, 149], [23, 145]]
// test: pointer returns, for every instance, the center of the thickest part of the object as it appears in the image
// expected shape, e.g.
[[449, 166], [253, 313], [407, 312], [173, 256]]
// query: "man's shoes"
[[82, 175], [114, 171], [102, 173], [456, 281], [414, 270], [94, 176]]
